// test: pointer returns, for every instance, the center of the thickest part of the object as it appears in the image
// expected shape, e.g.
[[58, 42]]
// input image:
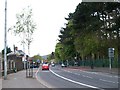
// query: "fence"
[[95, 63]]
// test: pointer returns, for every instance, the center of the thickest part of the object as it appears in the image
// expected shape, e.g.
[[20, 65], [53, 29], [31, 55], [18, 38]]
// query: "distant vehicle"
[[63, 65], [33, 66], [45, 66], [53, 65]]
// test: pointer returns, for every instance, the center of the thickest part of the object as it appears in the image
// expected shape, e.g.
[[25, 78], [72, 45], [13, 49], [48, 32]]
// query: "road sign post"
[[111, 56]]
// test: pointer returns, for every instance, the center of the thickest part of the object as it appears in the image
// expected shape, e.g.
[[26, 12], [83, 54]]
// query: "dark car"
[[34, 66], [63, 65]]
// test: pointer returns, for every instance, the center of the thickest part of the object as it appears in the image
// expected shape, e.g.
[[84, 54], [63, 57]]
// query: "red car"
[[45, 66]]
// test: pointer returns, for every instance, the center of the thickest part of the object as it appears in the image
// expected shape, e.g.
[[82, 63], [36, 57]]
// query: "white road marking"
[[15, 78], [90, 86], [40, 80], [100, 73], [94, 73], [87, 76], [45, 71], [78, 74], [67, 71], [108, 81]]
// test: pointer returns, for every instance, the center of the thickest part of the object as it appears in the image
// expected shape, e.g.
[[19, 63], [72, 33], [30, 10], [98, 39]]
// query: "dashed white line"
[[94, 73], [90, 86], [87, 76], [67, 71], [107, 81], [78, 74], [100, 73]]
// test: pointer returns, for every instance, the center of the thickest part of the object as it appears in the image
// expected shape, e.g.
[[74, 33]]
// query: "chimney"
[[16, 48]]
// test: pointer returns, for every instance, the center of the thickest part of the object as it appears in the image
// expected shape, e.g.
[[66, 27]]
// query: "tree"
[[24, 27], [36, 57], [8, 50], [91, 30]]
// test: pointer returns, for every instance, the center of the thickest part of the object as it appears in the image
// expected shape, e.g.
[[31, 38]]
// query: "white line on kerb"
[[75, 81]]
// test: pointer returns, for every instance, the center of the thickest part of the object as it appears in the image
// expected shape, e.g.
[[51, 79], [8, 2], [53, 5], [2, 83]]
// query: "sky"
[[47, 14]]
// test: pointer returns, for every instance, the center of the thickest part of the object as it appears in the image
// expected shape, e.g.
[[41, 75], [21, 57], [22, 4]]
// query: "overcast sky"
[[47, 14]]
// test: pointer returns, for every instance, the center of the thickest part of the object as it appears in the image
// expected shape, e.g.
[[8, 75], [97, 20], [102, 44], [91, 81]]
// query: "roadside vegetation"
[[90, 31]]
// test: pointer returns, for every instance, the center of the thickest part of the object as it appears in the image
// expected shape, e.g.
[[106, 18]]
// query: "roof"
[[18, 53]]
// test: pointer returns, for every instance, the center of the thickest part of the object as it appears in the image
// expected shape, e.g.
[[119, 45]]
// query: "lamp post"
[[5, 43]]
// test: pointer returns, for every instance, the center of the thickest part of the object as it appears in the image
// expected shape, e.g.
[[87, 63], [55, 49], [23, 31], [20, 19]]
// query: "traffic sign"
[[111, 52]]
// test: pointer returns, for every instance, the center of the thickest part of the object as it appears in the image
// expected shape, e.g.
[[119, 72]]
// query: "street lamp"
[[5, 43]]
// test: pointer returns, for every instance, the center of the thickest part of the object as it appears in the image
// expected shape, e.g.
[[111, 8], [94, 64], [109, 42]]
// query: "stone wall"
[[14, 61]]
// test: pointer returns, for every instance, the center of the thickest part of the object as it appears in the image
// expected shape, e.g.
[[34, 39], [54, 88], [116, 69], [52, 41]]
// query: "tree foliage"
[[8, 49], [36, 57], [91, 30], [24, 26]]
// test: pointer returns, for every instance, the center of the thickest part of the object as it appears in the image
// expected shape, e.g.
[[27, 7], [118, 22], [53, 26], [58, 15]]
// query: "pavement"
[[19, 80]]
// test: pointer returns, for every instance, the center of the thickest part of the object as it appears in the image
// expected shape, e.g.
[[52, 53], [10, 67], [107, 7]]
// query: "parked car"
[[45, 66], [34, 65], [53, 65], [63, 65]]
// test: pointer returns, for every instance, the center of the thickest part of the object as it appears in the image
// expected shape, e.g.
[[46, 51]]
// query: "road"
[[58, 77]]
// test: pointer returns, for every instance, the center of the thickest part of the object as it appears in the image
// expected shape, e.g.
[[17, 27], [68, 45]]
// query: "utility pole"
[[5, 43]]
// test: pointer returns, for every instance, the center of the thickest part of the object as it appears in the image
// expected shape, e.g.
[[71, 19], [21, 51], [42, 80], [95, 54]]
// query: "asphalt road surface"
[[58, 77]]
